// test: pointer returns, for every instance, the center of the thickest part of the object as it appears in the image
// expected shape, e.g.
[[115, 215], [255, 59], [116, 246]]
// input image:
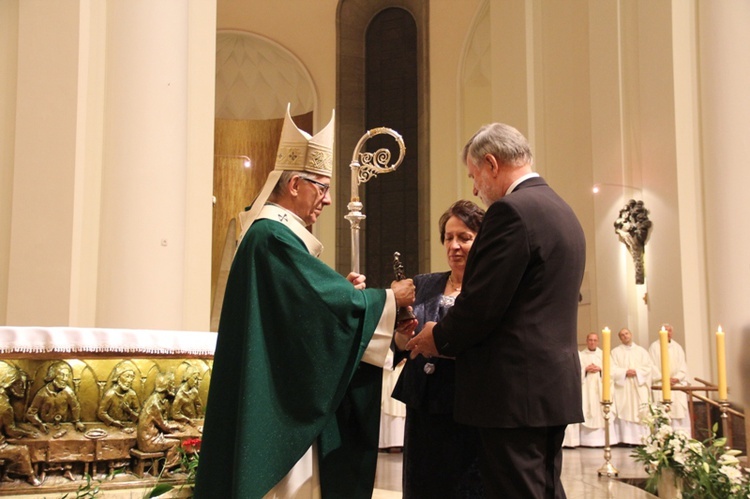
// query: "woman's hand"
[[404, 332]]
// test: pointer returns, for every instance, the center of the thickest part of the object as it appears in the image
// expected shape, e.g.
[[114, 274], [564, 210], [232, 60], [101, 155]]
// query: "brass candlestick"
[[667, 407], [607, 468], [723, 407]]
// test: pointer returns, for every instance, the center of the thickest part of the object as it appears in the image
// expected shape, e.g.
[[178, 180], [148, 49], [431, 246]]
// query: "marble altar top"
[[104, 342]]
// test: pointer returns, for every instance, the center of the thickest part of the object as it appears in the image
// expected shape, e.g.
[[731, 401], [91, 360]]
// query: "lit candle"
[[721, 363], [666, 386], [606, 347]]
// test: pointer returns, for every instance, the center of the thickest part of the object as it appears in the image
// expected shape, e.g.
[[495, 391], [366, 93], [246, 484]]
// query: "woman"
[[440, 455]]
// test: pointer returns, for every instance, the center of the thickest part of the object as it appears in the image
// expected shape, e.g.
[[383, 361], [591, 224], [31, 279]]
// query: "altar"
[[77, 399]]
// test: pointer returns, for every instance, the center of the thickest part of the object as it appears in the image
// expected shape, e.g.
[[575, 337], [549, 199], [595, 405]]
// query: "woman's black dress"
[[440, 455]]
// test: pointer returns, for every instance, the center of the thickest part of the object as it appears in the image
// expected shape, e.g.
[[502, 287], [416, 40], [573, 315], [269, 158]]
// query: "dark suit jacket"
[[513, 327], [433, 393]]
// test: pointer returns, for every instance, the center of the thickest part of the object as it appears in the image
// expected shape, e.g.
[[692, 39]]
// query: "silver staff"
[[364, 166]]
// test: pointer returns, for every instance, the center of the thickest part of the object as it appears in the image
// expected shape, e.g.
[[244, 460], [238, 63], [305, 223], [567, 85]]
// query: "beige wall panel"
[[44, 166], [8, 77], [725, 106], [451, 25]]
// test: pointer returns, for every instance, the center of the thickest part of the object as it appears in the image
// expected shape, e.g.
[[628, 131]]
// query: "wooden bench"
[[139, 461]]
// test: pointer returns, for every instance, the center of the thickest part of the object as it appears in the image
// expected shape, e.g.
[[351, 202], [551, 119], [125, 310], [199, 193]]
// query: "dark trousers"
[[440, 458], [522, 463]]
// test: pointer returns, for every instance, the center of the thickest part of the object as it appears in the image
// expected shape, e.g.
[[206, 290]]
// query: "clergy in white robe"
[[631, 374], [592, 429], [678, 377], [392, 411]]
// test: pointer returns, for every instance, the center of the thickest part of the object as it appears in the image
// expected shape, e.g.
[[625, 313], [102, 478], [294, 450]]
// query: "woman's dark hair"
[[466, 211]]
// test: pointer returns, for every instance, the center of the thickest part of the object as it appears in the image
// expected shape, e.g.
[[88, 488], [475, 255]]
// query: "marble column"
[[725, 122], [111, 169]]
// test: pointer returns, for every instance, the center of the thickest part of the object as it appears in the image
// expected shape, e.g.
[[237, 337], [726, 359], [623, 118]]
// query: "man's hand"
[[423, 343], [38, 423], [593, 368], [358, 280], [630, 373], [404, 292]]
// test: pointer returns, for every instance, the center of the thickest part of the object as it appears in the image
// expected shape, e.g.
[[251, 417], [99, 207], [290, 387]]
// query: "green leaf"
[[160, 489]]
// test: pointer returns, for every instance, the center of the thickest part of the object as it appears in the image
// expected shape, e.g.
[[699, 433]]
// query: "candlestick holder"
[[723, 407], [607, 468], [667, 403]]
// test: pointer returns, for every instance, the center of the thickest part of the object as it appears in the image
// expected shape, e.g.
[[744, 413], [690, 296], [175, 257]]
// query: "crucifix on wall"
[[633, 228]]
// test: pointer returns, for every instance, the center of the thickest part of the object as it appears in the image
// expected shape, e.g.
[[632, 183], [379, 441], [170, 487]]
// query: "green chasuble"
[[290, 340]]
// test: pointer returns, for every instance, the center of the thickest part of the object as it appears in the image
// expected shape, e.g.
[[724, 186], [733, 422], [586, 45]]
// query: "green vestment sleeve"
[[291, 336]]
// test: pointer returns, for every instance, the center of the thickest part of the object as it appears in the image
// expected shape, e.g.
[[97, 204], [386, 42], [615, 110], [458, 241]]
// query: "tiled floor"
[[579, 475]]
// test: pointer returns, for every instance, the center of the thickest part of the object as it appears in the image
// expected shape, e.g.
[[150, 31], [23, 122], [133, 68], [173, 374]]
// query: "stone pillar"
[[47, 162], [108, 219], [142, 241], [725, 121], [8, 79]]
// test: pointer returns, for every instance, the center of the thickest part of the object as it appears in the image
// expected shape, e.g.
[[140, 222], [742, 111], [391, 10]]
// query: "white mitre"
[[297, 151]]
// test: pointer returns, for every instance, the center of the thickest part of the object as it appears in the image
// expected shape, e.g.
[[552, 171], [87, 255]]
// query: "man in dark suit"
[[513, 327]]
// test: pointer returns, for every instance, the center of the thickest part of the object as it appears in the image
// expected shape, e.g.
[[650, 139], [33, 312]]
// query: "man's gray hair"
[[504, 142], [286, 176]]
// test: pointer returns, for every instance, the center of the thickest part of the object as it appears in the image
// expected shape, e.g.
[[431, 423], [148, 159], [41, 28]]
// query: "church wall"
[[44, 165], [134, 188], [308, 30], [608, 269], [639, 145], [654, 149], [63, 268], [451, 28], [689, 190], [560, 116], [8, 77], [155, 214], [650, 122], [201, 19], [725, 121]]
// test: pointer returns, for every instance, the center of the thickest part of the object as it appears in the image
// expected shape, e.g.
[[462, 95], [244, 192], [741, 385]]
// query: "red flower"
[[191, 444]]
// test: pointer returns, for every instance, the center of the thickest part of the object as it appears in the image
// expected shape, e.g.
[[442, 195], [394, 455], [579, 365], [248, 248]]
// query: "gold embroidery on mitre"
[[319, 161], [289, 157]]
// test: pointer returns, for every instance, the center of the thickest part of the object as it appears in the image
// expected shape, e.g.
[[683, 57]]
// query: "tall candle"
[[666, 386], [606, 349], [721, 363]]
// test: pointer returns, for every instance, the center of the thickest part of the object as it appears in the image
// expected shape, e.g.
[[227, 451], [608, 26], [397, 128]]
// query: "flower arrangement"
[[705, 469], [189, 460], [190, 452]]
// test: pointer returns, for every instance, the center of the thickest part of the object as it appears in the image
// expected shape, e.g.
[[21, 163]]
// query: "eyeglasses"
[[323, 187]]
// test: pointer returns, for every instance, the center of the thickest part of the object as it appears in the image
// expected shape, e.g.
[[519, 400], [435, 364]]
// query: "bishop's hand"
[[404, 292]]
